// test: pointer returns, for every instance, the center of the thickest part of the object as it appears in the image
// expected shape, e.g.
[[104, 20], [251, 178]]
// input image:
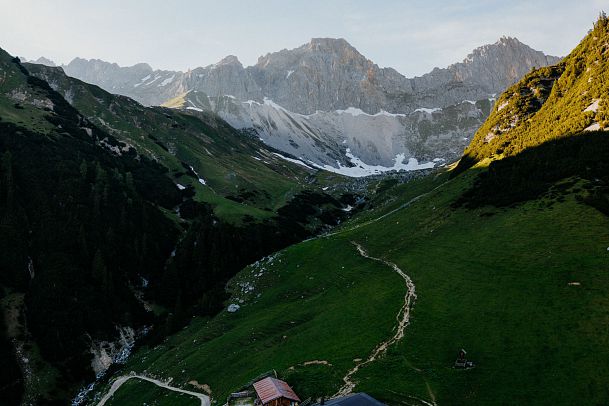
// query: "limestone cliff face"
[[227, 77], [487, 70], [495, 67], [325, 74]]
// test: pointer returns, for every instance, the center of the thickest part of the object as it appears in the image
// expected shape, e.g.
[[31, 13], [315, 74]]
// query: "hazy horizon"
[[412, 37]]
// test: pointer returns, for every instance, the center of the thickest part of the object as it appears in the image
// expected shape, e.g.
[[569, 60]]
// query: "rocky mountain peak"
[[508, 48], [77, 63], [142, 66], [44, 61], [230, 60], [496, 66], [507, 40], [322, 50], [329, 44]]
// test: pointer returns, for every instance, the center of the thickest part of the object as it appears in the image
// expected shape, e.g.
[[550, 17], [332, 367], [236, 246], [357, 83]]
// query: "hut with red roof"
[[274, 392]]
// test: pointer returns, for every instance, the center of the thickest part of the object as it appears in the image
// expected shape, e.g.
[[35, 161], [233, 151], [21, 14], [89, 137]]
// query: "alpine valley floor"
[[523, 288]]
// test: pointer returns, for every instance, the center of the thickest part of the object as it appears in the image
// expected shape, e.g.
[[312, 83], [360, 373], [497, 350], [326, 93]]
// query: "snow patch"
[[593, 107], [361, 169], [167, 81], [593, 127], [502, 106], [145, 78], [289, 74], [250, 102], [295, 161], [201, 180], [156, 77], [427, 110], [233, 307], [181, 187], [354, 111], [385, 113], [194, 108], [269, 102]]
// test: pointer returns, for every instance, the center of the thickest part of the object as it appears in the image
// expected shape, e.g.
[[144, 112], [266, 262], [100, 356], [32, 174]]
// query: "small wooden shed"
[[274, 392]]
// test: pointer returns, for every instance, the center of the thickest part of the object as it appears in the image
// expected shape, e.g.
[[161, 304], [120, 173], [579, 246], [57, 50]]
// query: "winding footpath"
[[122, 379], [402, 318]]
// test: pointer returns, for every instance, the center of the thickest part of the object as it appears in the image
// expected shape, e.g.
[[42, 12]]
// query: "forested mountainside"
[[504, 257], [116, 220]]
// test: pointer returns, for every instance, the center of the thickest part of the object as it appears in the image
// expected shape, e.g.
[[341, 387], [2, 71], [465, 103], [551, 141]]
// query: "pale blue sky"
[[410, 36]]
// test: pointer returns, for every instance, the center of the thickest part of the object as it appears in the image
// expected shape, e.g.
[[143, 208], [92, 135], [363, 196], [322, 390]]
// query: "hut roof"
[[269, 389]]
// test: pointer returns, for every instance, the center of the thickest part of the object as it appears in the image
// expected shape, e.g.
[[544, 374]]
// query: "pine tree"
[[99, 272], [129, 181], [6, 180], [83, 169]]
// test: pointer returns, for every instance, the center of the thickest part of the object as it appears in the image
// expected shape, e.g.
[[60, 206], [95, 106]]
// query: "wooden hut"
[[462, 362], [274, 392]]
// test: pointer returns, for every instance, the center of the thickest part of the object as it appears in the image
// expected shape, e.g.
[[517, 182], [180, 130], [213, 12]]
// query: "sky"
[[411, 36]]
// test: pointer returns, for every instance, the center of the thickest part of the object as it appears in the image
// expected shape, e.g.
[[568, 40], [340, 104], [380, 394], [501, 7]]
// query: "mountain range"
[[330, 106]]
